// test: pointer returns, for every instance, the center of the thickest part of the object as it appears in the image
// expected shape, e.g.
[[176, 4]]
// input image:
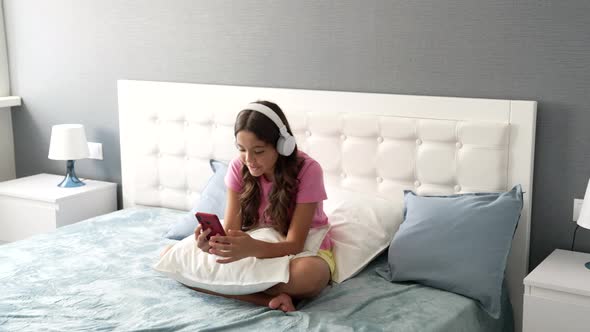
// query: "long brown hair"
[[282, 196]]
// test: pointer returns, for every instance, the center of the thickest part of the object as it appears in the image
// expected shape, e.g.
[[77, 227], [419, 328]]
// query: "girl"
[[272, 184]]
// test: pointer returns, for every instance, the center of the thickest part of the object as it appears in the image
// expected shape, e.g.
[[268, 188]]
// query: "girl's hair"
[[281, 198]]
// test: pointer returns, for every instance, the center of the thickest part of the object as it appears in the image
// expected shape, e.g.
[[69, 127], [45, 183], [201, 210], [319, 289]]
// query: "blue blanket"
[[97, 275]]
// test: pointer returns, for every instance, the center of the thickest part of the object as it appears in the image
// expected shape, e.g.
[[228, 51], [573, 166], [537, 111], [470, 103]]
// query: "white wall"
[[7, 168]]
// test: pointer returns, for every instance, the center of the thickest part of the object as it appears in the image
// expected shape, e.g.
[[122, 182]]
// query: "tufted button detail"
[[380, 139], [417, 183], [457, 188], [418, 141], [343, 137], [379, 179], [459, 145], [307, 133], [343, 175]]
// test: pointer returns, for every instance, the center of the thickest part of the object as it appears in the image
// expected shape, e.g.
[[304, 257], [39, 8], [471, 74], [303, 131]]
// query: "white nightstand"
[[557, 294], [35, 204]]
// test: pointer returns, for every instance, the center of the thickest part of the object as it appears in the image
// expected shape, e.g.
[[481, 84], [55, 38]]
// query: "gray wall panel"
[[66, 55]]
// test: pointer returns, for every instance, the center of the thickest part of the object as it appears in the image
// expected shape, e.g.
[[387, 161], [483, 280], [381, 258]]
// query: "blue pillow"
[[458, 243], [213, 200]]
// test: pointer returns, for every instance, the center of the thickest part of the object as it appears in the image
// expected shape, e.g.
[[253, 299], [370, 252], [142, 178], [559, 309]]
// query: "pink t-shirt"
[[310, 190]]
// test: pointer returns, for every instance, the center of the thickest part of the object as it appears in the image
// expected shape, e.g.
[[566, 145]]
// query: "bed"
[[97, 274]]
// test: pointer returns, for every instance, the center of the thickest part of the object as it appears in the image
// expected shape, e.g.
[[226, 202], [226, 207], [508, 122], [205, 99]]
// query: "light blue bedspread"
[[96, 275]]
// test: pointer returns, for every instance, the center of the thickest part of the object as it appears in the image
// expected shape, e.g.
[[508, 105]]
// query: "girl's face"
[[259, 156]]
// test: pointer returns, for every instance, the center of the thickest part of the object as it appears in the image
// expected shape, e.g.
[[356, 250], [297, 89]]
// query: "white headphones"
[[286, 143]]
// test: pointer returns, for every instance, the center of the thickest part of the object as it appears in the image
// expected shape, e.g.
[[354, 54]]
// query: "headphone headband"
[[269, 114]]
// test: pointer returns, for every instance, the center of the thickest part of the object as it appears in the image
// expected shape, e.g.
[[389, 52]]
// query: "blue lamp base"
[[587, 265], [71, 180]]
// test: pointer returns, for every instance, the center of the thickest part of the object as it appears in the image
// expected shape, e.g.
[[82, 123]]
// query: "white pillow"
[[361, 227], [187, 264]]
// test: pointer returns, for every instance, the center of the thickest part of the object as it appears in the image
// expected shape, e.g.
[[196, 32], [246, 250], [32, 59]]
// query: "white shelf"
[[10, 101], [43, 187]]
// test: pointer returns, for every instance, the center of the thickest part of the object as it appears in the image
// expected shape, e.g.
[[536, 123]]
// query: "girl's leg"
[[308, 277], [279, 301]]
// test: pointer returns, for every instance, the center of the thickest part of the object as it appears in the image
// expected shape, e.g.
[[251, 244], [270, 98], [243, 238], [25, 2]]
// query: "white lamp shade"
[[68, 142], [584, 218]]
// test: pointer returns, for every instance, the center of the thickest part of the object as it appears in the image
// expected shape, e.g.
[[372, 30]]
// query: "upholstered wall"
[[66, 55]]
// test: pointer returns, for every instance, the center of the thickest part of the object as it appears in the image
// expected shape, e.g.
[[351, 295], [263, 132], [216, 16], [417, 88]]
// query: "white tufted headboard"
[[374, 143]]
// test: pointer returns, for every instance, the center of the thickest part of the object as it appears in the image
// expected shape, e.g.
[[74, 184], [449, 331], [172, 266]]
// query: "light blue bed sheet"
[[97, 275]]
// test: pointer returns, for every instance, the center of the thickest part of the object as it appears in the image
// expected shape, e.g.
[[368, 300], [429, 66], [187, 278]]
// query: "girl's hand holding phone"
[[201, 238], [209, 224]]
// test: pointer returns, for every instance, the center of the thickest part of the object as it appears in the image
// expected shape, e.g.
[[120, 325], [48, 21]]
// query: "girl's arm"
[[239, 244], [296, 235], [233, 218]]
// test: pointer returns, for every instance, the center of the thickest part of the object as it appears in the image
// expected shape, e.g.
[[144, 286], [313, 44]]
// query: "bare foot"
[[165, 250], [282, 302]]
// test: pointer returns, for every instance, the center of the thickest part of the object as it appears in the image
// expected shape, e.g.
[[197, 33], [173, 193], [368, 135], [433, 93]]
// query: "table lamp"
[[68, 142], [584, 218]]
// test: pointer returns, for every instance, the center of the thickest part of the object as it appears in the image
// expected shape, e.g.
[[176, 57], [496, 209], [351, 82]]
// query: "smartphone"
[[210, 221]]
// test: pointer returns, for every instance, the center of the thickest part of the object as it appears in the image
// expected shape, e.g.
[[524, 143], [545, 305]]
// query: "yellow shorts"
[[326, 254]]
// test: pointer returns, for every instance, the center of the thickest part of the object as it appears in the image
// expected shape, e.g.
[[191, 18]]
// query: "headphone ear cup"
[[286, 145], [281, 146]]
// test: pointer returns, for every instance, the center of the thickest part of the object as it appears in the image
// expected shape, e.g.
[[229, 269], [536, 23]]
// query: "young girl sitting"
[[272, 184]]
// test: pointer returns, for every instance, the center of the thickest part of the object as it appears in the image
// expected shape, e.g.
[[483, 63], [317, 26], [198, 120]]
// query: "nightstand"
[[557, 294], [35, 204]]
